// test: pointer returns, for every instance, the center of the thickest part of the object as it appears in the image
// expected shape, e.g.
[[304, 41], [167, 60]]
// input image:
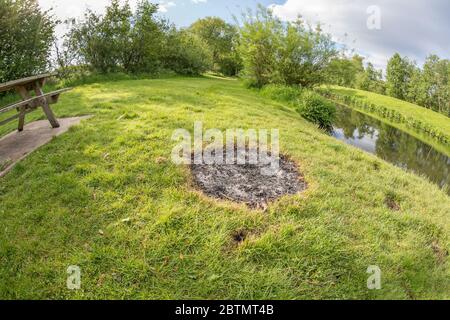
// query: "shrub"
[[317, 109], [282, 93], [120, 40], [222, 40], [102, 41], [186, 53], [261, 33], [231, 65], [291, 53], [136, 42], [26, 36]]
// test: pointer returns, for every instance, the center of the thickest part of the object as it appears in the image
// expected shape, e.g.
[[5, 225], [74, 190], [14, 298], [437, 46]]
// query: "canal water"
[[391, 144]]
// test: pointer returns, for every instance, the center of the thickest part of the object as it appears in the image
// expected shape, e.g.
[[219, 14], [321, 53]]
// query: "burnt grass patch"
[[247, 184]]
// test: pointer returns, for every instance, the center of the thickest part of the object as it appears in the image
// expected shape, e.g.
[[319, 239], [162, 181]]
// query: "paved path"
[[17, 145]]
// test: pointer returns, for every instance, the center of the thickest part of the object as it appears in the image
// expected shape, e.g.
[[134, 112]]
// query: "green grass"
[[100, 197], [412, 113]]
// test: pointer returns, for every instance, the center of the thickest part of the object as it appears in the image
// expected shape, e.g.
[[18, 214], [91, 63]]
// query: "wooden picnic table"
[[26, 88]]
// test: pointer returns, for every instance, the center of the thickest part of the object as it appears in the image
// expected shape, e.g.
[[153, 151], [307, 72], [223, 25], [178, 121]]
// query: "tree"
[[305, 54], [436, 82], [343, 71], [120, 40], [417, 91], [261, 35], [186, 53], [399, 73], [26, 37], [103, 41], [287, 53], [147, 36], [358, 62], [136, 42], [222, 39], [371, 80]]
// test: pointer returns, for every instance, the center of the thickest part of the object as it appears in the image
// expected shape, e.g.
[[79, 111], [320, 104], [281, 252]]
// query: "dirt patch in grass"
[[239, 236], [441, 254], [247, 183], [391, 202]]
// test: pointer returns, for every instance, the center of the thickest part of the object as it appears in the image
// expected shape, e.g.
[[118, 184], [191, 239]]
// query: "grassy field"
[[105, 197], [428, 117]]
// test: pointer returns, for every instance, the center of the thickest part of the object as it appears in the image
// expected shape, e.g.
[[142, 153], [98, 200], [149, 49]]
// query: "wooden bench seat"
[[31, 104], [35, 102], [26, 87], [16, 116]]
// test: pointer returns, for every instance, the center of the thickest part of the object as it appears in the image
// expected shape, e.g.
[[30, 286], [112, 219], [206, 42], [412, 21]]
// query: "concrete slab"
[[17, 145]]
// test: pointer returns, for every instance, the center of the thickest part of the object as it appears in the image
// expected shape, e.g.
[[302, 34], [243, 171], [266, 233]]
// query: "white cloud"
[[413, 28], [164, 6], [199, 1], [64, 9]]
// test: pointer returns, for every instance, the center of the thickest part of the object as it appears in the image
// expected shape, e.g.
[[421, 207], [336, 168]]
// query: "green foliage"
[[428, 87], [417, 88], [285, 53], [317, 109], [305, 54], [111, 43], [261, 35], [186, 53], [222, 39], [147, 40], [371, 80], [351, 73], [103, 42], [136, 42], [282, 93], [436, 84], [399, 73], [26, 36], [343, 71]]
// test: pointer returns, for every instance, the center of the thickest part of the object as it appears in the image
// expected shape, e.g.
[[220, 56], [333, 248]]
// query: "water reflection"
[[391, 144]]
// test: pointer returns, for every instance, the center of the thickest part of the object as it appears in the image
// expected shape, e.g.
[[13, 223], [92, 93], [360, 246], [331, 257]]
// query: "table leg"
[[45, 106], [23, 92]]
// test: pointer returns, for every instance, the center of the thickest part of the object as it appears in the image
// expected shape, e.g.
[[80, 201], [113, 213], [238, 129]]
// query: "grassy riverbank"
[[105, 197], [425, 124]]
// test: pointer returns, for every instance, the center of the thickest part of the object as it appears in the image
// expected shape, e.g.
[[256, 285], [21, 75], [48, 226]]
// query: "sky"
[[375, 29]]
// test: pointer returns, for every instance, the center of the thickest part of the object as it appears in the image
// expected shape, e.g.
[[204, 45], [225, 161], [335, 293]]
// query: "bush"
[[222, 40], [282, 93], [230, 66], [261, 34], [136, 42], [120, 40], [186, 53], [290, 53], [317, 109], [26, 36]]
